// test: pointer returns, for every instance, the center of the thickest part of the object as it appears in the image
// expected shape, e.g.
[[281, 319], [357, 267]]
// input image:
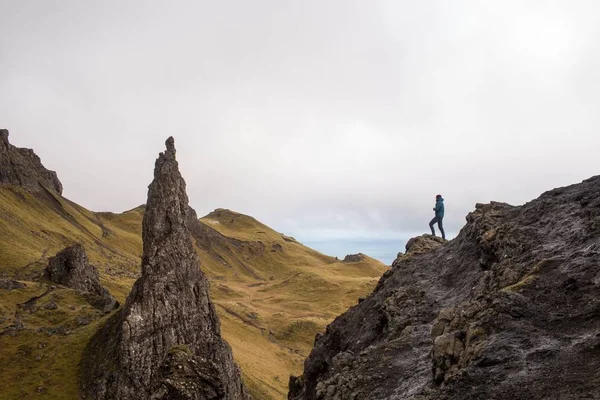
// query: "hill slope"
[[272, 293], [510, 309]]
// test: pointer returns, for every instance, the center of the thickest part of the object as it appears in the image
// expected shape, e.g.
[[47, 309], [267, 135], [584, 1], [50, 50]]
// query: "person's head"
[[439, 196]]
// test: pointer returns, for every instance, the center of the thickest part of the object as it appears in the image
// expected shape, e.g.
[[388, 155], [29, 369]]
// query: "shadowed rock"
[[22, 167], [70, 267], [165, 343], [510, 309]]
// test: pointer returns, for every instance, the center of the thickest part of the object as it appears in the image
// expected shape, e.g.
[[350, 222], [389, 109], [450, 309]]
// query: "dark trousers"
[[439, 222]]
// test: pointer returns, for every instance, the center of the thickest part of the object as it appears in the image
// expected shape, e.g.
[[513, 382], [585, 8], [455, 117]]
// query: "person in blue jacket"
[[439, 216]]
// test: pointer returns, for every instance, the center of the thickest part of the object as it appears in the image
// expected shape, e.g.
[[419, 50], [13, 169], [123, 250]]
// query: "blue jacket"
[[439, 208]]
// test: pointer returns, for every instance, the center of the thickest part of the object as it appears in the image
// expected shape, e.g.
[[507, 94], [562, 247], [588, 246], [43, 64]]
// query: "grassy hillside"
[[272, 293]]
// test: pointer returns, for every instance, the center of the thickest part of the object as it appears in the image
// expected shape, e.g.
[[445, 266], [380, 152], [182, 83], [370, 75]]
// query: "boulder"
[[70, 267]]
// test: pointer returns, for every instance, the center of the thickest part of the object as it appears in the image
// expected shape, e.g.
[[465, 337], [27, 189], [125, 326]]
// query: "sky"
[[327, 120]]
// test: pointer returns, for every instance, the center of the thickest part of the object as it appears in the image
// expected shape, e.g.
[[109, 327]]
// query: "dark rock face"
[[165, 343], [70, 267], [354, 258], [22, 167], [510, 309]]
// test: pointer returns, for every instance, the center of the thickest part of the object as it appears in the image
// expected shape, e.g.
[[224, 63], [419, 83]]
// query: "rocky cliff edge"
[[510, 309]]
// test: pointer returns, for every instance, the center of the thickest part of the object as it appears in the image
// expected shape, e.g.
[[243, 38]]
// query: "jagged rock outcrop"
[[22, 167], [165, 343], [354, 258], [70, 267], [510, 309], [418, 245]]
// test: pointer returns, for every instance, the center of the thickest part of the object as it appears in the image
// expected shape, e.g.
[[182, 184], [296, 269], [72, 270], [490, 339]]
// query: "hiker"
[[439, 215]]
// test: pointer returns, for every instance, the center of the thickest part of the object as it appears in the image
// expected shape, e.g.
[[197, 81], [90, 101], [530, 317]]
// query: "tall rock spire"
[[165, 343]]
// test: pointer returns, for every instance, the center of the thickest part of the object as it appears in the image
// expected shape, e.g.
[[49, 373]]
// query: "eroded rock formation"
[[510, 309], [70, 267], [22, 167], [165, 343]]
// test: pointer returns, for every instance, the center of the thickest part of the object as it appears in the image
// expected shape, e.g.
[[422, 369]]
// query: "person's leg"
[[433, 221], [441, 228]]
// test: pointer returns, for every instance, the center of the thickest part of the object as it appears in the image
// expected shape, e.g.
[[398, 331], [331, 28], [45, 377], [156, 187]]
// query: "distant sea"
[[384, 250]]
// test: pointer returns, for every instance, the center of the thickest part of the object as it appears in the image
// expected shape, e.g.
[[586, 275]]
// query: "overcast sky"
[[324, 119]]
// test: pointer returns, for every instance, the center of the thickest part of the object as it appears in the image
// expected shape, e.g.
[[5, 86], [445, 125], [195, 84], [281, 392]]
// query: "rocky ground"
[[510, 309]]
